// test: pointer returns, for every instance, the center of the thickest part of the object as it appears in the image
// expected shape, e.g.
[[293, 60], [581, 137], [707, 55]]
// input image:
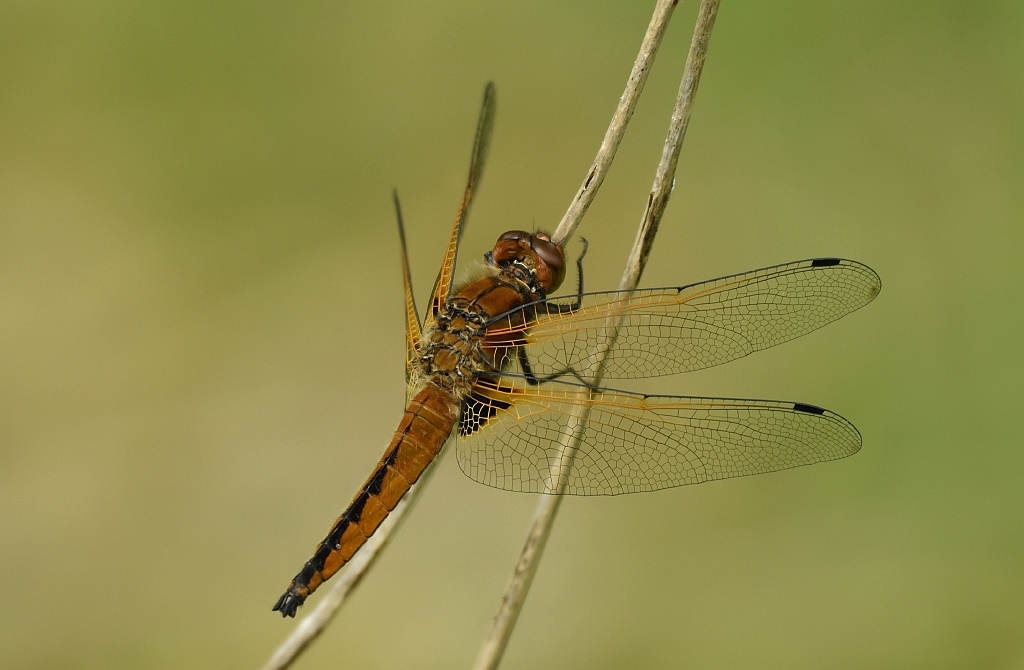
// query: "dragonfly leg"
[[555, 308], [534, 380], [529, 313], [524, 365]]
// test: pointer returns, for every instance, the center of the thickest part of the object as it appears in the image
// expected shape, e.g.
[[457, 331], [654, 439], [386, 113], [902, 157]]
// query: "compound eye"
[[552, 256], [514, 235]]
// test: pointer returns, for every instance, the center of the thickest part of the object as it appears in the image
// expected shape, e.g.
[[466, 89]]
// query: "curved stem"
[[620, 119], [664, 180]]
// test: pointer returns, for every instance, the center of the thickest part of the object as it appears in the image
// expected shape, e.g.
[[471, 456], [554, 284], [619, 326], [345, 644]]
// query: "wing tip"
[[854, 440], [875, 286]]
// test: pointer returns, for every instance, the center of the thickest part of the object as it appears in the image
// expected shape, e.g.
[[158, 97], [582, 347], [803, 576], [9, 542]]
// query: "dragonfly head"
[[533, 259]]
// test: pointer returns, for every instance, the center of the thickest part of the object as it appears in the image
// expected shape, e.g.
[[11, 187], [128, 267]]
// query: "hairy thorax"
[[453, 350], [451, 354]]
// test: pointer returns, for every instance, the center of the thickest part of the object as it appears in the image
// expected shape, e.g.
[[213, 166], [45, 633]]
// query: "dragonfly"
[[503, 369]]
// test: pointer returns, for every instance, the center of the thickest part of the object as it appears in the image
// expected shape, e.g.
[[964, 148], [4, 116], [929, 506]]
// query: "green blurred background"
[[201, 327]]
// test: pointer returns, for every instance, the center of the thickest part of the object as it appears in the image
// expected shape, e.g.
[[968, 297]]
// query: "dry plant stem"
[[310, 626], [314, 623], [547, 508], [665, 177], [620, 119]]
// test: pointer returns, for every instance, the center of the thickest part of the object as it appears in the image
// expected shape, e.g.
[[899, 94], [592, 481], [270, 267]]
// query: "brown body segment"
[[428, 421], [453, 352], [443, 363]]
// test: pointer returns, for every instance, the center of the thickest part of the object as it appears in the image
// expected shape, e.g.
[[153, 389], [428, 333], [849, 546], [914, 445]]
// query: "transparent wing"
[[481, 142], [412, 320], [510, 434], [681, 329]]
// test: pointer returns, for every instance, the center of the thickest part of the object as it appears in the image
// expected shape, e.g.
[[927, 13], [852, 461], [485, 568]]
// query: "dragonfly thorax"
[[451, 351]]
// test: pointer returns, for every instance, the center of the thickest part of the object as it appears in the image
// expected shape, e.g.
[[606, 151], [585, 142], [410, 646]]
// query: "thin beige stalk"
[[314, 623], [664, 180], [311, 625], [620, 119]]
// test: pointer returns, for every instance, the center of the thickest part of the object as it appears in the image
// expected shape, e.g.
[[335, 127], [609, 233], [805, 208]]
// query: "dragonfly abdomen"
[[452, 355], [427, 423]]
